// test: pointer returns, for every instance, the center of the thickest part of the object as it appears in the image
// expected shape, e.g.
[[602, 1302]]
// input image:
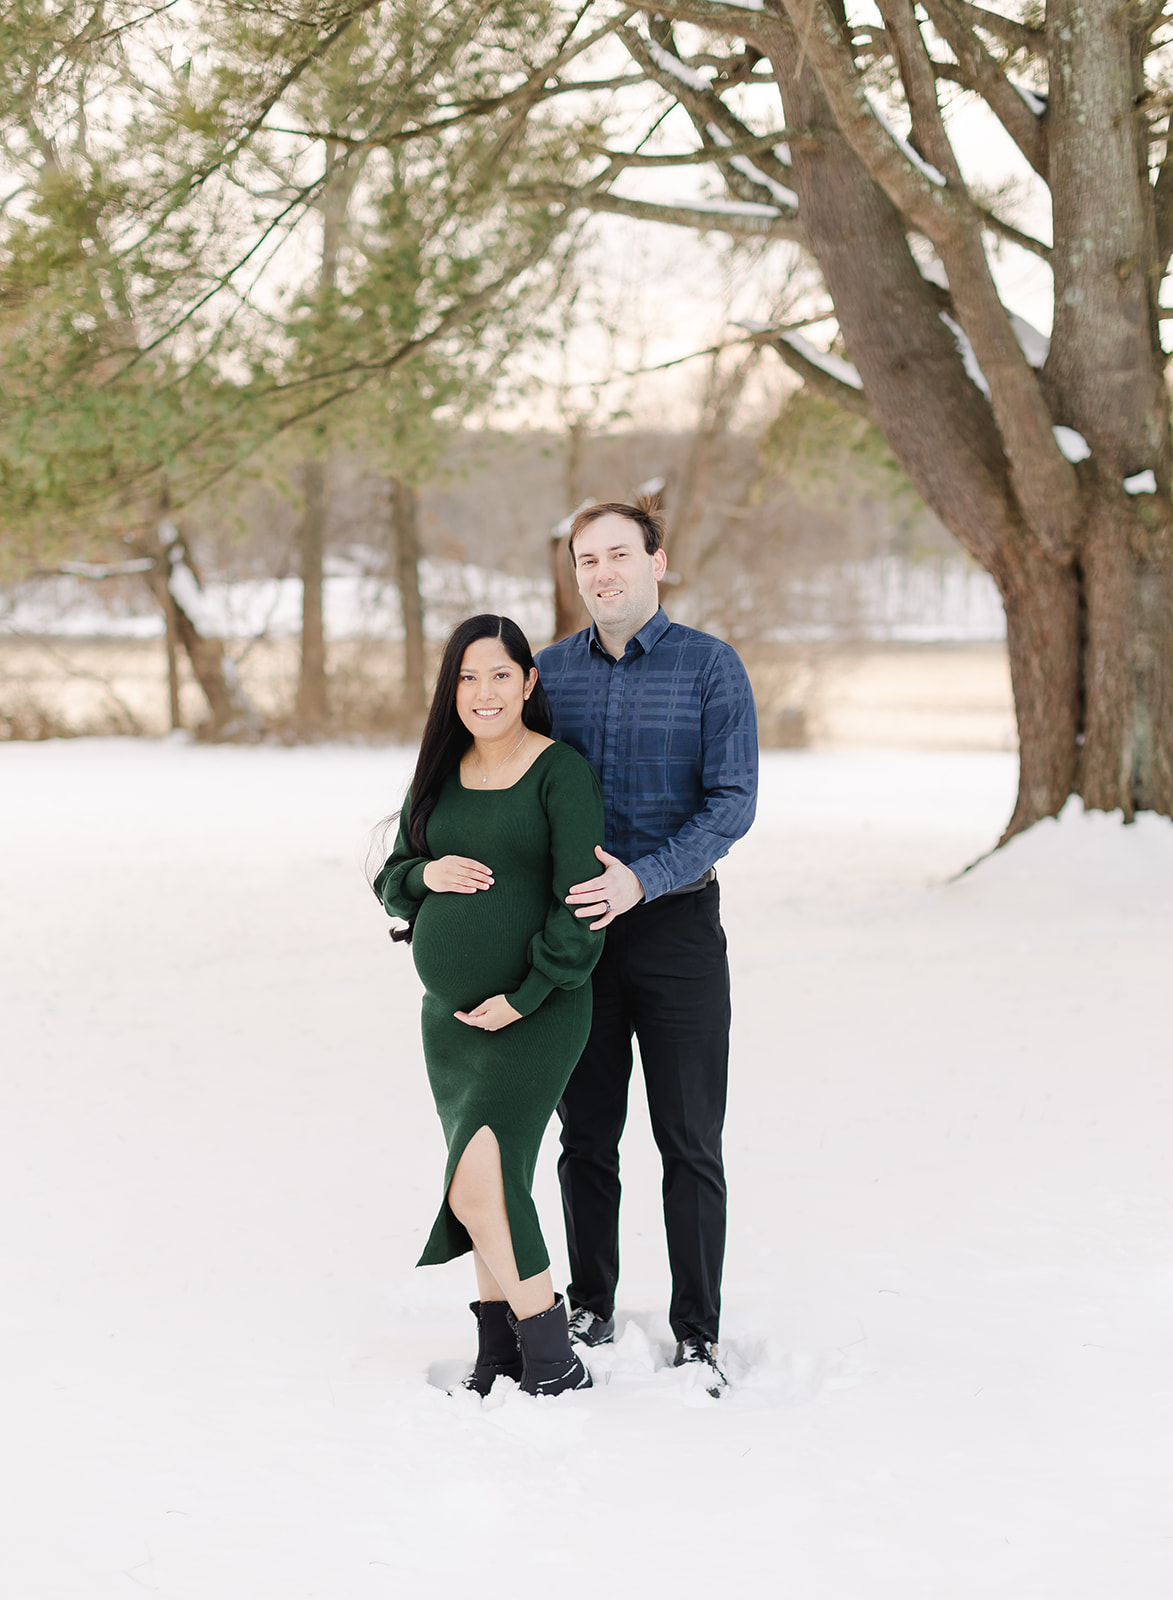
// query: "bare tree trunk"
[[176, 585], [1126, 759], [1043, 633], [569, 612], [311, 711], [171, 637], [570, 615], [160, 588], [1091, 660], [311, 707], [405, 532]]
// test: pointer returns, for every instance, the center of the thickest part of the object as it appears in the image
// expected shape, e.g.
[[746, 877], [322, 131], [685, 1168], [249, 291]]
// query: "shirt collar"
[[649, 635]]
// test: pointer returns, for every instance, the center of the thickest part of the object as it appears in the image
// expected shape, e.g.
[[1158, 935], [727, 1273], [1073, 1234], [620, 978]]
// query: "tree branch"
[[1045, 483], [817, 378], [707, 155], [525, 95], [1163, 206], [707, 112], [978, 71], [285, 82], [924, 203], [1007, 230], [758, 224], [1018, 35], [710, 14], [90, 39], [920, 87]]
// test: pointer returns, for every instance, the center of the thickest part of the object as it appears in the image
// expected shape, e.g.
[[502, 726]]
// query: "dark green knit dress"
[[519, 939]]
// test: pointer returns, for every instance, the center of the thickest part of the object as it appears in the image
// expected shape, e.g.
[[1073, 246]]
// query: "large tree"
[[1049, 460]]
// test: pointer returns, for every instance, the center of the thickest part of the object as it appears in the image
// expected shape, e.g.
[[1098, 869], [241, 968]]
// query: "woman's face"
[[491, 691]]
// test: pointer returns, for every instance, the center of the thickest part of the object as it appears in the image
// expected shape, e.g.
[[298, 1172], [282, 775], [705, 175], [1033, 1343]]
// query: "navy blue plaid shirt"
[[671, 730]]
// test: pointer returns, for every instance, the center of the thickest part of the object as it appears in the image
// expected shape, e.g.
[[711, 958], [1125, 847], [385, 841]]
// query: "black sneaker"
[[586, 1328], [695, 1352]]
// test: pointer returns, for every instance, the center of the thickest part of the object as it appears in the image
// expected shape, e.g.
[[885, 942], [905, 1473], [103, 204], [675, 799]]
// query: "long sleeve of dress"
[[563, 954], [399, 883]]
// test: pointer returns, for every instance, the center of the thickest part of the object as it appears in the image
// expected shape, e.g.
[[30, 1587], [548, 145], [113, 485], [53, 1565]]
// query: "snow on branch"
[[924, 167], [1141, 482], [745, 166], [1034, 345], [676, 68], [1072, 443], [1034, 102], [968, 360], [834, 366], [106, 569], [727, 208], [740, 219], [826, 375], [187, 592]]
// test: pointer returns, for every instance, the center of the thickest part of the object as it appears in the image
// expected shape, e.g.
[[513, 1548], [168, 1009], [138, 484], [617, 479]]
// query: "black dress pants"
[[664, 977]]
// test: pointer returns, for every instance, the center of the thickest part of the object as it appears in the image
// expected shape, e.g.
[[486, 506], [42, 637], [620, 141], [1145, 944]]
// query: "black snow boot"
[[550, 1363], [497, 1353]]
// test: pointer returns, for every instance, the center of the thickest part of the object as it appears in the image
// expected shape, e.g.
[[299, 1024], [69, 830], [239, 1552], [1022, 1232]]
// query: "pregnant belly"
[[465, 950]]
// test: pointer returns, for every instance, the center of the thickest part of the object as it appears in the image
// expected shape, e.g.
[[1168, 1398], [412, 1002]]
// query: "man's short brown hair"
[[644, 513]]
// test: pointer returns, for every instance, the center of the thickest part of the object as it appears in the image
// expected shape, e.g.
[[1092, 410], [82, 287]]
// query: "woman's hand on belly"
[[457, 875], [490, 1015]]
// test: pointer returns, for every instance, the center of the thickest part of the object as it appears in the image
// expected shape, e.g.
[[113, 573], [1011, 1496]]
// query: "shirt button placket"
[[611, 768]]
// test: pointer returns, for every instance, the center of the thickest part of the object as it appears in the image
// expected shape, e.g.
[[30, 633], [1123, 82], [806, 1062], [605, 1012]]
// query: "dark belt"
[[702, 882]]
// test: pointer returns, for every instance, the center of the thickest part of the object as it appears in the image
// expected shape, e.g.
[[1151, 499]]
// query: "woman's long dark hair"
[[445, 737]]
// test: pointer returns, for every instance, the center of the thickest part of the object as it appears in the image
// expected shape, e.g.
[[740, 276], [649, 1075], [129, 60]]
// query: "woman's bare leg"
[[477, 1197], [487, 1286]]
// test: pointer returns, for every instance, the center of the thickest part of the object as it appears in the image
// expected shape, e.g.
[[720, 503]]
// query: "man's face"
[[616, 576]]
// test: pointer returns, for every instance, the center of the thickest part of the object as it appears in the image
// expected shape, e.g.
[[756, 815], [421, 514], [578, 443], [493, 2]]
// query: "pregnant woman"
[[499, 822]]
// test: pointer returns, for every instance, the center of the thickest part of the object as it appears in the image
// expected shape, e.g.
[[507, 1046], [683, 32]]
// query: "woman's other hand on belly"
[[457, 875], [491, 1015]]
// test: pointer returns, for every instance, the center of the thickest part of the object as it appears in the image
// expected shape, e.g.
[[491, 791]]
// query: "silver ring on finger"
[[607, 903]]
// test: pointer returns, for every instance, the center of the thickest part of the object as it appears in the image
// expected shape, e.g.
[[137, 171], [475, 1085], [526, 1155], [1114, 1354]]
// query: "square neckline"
[[483, 789]]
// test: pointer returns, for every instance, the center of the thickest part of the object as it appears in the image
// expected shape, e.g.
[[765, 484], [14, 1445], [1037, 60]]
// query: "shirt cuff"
[[653, 879], [534, 989]]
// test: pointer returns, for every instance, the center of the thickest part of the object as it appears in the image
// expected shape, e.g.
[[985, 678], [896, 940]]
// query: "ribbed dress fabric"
[[519, 939]]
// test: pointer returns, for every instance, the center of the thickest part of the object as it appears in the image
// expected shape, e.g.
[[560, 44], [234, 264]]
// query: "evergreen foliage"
[[253, 222]]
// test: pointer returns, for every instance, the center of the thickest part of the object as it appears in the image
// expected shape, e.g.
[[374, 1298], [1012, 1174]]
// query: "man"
[[666, 717]]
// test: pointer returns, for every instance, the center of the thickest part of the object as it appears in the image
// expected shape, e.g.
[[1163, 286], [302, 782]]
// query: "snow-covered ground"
[[949, 1291]]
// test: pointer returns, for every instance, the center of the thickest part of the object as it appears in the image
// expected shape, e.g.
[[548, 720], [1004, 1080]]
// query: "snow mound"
[[1081, 860]]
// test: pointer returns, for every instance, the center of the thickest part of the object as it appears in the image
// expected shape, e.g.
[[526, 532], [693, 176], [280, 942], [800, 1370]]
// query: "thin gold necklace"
[[487, 775]]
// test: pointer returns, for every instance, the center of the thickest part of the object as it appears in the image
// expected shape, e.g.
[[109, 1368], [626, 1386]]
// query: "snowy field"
[[949, 1290]]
